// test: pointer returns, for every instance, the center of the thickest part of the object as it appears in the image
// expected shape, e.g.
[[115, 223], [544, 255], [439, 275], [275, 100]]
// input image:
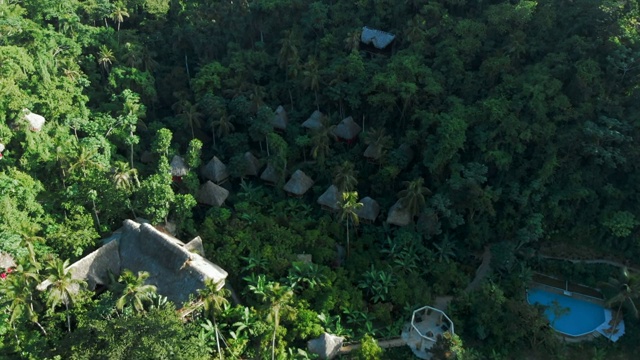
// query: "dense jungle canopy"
[[501, 127]]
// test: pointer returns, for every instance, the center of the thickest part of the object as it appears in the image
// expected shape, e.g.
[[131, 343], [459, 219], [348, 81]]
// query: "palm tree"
[[190, 116], [352, 41], [125, 177], [136, 292], [62, 287], [412, 198], [628, 290], [119, 13], [222, 126], [105, 57], [379, 141], [445, 249], [345, 177], [278, 297], [321, 143], [312, 77], [18, 295], [348, 209], [215, 299]]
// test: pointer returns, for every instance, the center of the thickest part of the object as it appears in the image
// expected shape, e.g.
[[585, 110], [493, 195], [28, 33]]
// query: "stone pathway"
[[482, 271]]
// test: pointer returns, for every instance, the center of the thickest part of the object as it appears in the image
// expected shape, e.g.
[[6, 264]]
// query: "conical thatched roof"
[[6, 261], [215, 170], [398, 215], [330, 198], [280, 119], [212, 194], [373, 152], [347, 129], [270, 174], [36, 122], [252, 164], [178, 167], [298, 184], [327, 346], [314, 121], [369, 209]]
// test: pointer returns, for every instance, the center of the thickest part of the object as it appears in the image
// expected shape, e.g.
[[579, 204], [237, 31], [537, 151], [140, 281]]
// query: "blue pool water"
[[581, 318]]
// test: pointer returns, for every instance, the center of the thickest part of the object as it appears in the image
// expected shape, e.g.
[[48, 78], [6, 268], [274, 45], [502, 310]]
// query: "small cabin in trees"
[[36, 122], [178, 270], [347, 130], [376, 41], [252, 164], [211, 194], [330, 199], [398, 215], [270, 175], [216, 171], [280, 119], [178, 168], [314, 122], [298, 184], [369, 210]]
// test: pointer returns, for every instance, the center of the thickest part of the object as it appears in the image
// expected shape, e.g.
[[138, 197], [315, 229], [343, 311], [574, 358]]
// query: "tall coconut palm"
[[18, 295], [191, 116], [223, 126], [118, 13], [379, 141], [311, 75], [278, 297], [413, 197], [136, 292], [125, 177], [345, 177], [105, 58], [61, 286], [215, 299], [347, 211], [627, 289]]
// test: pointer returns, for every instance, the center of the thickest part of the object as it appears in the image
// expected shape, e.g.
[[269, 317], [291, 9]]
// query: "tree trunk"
[[348, 244], [66, 305], [215, 326], [273, 339]]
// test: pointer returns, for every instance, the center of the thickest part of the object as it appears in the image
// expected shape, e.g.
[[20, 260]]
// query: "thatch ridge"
[[253, 164], [347, 129], [398, 215], [298, 184], [314, 121], [330, 198], [212, 194], [178, 166], [94, 268], [373, 151], [280, 119], [195, 246], [215, 170], [369, 209]]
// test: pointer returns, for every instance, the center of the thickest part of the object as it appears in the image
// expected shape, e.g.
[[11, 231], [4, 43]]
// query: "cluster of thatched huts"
[[213, 193]]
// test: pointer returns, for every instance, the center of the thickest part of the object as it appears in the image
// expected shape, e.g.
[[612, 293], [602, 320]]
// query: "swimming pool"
[[576, 317]]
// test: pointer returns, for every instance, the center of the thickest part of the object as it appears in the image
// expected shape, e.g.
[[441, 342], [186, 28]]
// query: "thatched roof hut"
[[347, 129], [280, 119], [398, 215], [252, 164], [212, 194], [174, 269], [373, 152], [270, 174], [298, 184], [6, 261], [216, 171], [314, 121], [327, 346], [330, 199], [178, 167], [376, 38], [369, 210], [36, 122]]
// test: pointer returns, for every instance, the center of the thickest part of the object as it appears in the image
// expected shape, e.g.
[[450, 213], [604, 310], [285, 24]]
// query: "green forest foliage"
[[501, 124]]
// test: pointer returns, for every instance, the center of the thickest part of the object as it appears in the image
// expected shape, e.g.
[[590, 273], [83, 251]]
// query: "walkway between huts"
[[592, 261], [385, 344], [482, 271]]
